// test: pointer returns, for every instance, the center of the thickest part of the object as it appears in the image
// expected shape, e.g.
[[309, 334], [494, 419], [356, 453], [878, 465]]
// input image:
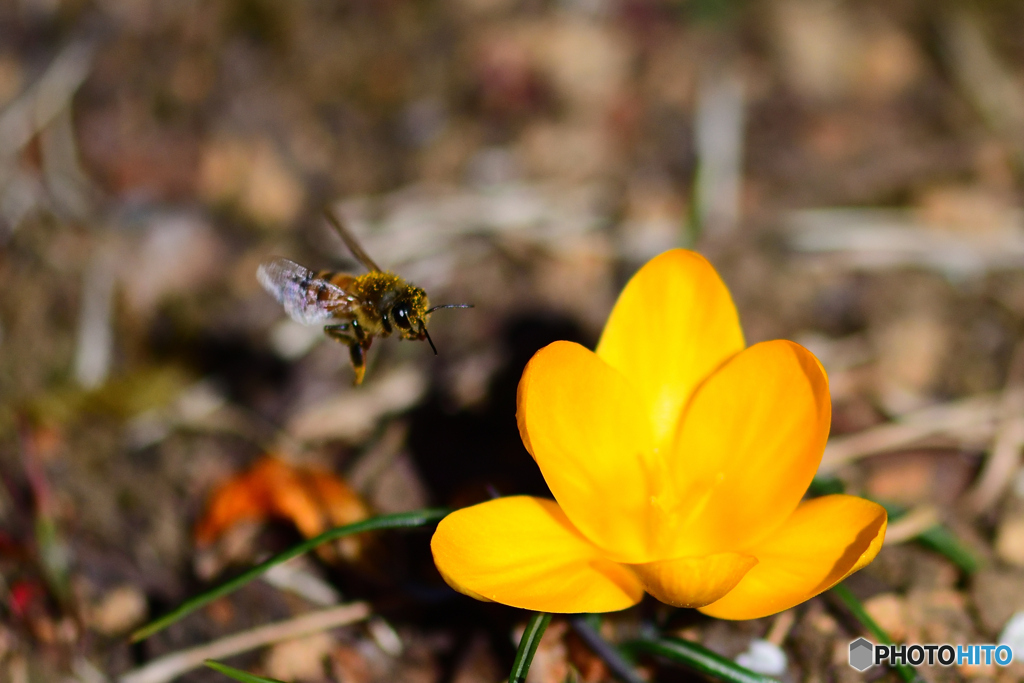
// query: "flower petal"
[[746, 451], [590, 434], [673, 324], [825, 540], [694, 581], [524, 552]]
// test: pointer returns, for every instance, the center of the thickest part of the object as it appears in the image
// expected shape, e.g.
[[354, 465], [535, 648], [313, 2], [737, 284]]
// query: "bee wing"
[[306, 298]]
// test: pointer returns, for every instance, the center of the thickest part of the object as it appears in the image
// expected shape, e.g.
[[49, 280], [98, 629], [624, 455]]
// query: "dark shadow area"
[[468, 456]]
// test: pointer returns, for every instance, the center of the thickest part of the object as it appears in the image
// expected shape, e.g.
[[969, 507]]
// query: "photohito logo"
[[864, 653]]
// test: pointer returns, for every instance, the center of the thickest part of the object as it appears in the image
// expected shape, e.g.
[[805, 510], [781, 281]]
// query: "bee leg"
[[340, 333], [356, 348], [357, 354], [359, 334]]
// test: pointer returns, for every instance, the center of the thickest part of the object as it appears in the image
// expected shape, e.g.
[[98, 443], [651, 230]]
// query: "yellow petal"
[[673, 324], [825, 540], [747, 449], [590, 435], [524, 552], [694, 581]]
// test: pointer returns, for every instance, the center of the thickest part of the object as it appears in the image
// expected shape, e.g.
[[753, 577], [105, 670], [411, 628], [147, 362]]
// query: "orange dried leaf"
[[239, 499], [312, 499]]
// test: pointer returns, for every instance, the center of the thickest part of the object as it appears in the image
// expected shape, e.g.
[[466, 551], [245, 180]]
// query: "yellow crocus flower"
[[678, 459]]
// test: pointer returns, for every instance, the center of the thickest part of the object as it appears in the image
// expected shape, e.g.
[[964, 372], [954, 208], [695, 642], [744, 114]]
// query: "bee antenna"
[[423, 329], [431, 310]]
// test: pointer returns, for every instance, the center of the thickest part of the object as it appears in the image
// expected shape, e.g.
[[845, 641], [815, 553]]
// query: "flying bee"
[[355, 308]]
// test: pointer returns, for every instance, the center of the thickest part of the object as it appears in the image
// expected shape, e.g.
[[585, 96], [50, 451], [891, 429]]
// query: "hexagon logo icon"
[[861, 654]]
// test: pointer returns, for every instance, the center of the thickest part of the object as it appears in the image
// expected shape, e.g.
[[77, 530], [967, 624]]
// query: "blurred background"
[[852, 168]]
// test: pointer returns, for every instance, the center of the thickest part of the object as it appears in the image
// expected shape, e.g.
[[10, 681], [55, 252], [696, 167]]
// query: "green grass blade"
[[941, 540], [238, 674], [698, 658], [401, 520], [850, 601], [856, 608], [528, 646]]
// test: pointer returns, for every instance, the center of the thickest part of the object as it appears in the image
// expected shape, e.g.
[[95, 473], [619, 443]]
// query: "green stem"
[[698, 658], [402, 520], [528, 646], [850, 601], [238, 674]]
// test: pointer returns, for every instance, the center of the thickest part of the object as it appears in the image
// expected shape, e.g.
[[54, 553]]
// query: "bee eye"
[[401, 315]]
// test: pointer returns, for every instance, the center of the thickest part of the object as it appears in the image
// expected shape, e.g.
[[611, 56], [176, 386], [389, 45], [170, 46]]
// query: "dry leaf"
[[313, 499]]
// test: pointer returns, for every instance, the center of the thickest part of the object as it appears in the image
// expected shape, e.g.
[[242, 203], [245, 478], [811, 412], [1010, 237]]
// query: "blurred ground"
[[853, 169]]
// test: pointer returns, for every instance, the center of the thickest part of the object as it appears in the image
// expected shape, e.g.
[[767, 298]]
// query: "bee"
[[355, 308]]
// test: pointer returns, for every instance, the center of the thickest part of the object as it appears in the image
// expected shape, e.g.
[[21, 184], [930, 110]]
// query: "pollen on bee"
[[376, 283]]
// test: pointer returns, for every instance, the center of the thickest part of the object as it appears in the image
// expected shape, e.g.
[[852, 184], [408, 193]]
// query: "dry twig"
[[1004, 456], [169, 667], [967, 422], [983, 76], [35, 109], [781, 627], [911, 525]]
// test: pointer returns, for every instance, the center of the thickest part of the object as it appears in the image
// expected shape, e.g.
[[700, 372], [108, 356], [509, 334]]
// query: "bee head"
[[409, 314]]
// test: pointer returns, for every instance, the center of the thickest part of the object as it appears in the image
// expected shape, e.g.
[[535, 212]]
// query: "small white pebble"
[[764, 658], [1013, 635]]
